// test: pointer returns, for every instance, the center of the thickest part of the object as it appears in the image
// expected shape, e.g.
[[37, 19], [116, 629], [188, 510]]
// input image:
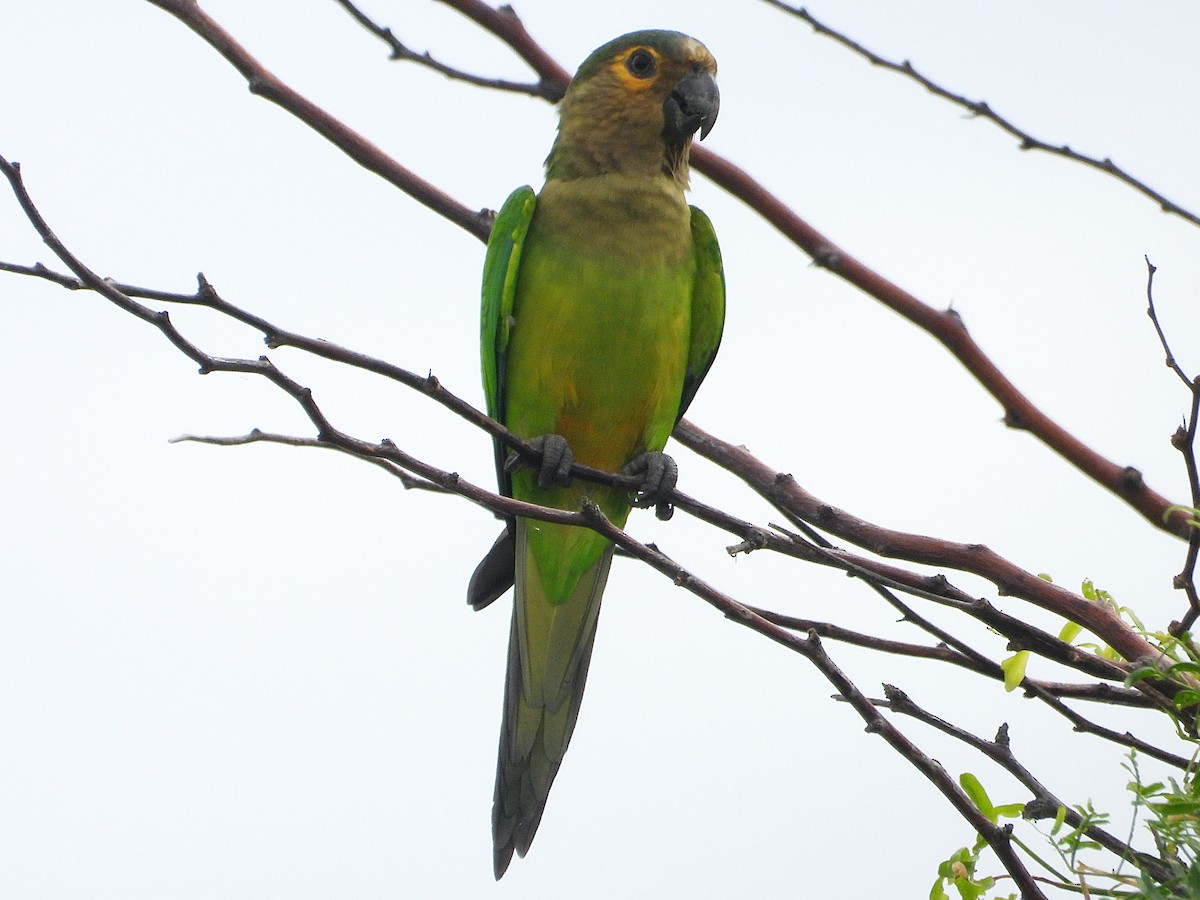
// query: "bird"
[[603, 305]]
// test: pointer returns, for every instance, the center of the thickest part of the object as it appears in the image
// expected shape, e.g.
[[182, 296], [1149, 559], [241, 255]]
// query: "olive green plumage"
[[603, 304]]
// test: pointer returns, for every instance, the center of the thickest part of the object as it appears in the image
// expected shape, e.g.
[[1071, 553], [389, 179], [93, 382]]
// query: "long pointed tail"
[[549, 649]]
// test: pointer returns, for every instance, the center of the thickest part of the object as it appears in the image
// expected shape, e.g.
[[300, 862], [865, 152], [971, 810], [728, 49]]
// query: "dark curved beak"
[[692, 106]]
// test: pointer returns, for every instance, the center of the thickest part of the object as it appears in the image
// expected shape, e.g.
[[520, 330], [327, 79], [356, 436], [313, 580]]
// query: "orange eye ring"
[[641, 63]]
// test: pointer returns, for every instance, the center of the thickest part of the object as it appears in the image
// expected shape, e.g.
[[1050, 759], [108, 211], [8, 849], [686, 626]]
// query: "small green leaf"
[[1070, 631], [1186, 698], [1014, 669], [1059, 818], [1193, 879], [1010, 810], [973, 789], [1177, 808], [1142, 672]]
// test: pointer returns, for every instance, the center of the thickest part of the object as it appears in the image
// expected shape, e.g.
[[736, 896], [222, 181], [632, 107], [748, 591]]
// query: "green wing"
[[500, 270], [708, 307]]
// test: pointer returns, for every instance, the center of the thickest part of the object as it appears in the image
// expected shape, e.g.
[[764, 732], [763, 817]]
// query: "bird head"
[[634, 106]]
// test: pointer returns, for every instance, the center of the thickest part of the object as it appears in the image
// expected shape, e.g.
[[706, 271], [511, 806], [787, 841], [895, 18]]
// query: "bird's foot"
[[557, 459], [659, 473]]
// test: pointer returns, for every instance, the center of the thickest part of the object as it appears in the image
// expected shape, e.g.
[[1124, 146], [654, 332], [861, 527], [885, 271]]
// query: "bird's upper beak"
[[693, 105]]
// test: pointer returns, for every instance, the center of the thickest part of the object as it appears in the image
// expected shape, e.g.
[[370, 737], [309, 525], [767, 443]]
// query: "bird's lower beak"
[[692, 106]]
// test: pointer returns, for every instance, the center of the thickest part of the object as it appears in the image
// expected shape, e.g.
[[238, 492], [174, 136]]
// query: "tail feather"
[[550, 648], [494, 574]]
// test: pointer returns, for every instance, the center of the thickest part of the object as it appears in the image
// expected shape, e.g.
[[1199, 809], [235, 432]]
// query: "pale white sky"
[[251, 672]]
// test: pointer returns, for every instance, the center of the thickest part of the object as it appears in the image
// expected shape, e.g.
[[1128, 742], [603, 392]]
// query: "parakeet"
[[603, 306]]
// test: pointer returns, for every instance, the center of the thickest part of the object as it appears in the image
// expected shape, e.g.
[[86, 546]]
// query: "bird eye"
[[640, 63]]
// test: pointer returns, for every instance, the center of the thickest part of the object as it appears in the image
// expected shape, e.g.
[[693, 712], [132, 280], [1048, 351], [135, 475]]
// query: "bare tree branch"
[[1183, 440], [980, 109], [1101, 692], [782, 491], [400, 51], [1086, 726]]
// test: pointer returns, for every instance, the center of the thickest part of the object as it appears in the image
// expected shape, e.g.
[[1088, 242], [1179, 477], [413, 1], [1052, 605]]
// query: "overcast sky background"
[[251, 672]]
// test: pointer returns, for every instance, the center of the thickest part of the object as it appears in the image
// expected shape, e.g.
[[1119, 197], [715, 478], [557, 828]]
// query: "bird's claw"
[[659, 474], [557, 460]]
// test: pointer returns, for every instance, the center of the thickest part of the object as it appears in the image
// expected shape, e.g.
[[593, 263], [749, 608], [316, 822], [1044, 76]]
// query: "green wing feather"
[[500, 269], [708, 307], [494, 574]]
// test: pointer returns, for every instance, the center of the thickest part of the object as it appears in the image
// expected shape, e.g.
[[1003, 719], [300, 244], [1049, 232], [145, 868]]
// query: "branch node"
[[1130, 480], [756, 539], [827, 258], [1013, 420], [204, 290], [898, 700], [1040, 808]]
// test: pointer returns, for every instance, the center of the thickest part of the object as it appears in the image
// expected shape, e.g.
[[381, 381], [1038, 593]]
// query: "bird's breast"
[[601, 327]]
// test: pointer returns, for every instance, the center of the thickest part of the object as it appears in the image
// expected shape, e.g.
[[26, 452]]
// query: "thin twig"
[[980, 109], [401, 52], [1100, 692], [1183, 440], [255, 436], [1087, 726]]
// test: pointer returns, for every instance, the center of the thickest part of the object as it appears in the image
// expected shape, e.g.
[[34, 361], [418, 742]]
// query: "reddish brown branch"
[[354, 145], [504, 23], [783, 492], [948, 329]]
